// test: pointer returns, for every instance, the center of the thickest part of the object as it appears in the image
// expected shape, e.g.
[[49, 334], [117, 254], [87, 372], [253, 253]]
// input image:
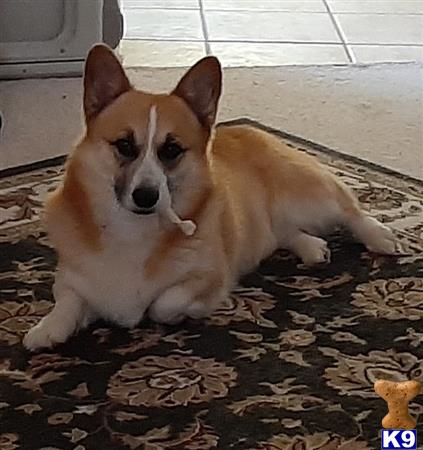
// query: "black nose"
[[145, 197]]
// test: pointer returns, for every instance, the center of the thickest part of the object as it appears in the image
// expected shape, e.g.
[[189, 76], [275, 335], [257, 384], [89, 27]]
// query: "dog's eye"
[[126, 147], [170, 152]]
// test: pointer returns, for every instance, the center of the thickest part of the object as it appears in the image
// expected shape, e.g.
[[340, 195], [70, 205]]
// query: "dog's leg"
[[378, 238], [337, 205], [374, 235], [194, 298], [312, 250], [69, 314]]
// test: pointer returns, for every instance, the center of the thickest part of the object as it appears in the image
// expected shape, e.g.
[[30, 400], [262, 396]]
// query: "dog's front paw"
[[318, 253], [170, 308], [313, 250], [45, 334]]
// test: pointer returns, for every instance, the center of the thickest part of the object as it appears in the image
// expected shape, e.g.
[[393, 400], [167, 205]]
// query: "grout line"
[[162, 39], [205, 29], [165, 8], [207, 48], [252, 41], [234, 41], [227, 10], [348, 51], [374, 13], [384, 44], [233, 10], [254, 11]]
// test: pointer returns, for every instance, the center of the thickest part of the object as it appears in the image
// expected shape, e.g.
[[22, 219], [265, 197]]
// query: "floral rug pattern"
[[288, 364]]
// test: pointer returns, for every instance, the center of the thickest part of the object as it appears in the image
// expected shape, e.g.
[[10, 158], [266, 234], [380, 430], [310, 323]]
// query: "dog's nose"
[[145, 197]]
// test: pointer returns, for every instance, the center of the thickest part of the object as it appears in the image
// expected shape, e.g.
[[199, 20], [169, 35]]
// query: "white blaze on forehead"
[[152, 127], [149, 172]]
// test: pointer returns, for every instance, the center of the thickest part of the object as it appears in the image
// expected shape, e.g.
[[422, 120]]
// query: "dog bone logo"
[[397, 396]]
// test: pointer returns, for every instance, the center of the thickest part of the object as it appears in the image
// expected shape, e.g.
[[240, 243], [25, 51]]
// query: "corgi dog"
[[149, 164]]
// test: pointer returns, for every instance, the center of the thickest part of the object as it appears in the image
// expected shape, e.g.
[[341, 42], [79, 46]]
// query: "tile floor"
[[169, 33]]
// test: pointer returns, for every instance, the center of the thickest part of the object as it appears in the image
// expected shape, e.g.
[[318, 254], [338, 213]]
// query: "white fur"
[[170, 308], [164, 209], [177, 303], [149, 172], [374, 235], [68, 315], [112, 284], [312, 250]]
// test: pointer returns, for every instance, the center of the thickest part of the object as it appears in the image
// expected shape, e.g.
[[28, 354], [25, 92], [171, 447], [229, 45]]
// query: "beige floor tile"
[[160, 4], [160, 53], [382, 28], [270, 26], [388, 53], [163, 24], [276, 5], [377, 6], [372, 113], [254, 54]]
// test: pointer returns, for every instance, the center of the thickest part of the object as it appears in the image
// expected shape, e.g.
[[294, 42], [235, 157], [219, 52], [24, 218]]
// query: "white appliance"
[[44, 38], [47, 39]]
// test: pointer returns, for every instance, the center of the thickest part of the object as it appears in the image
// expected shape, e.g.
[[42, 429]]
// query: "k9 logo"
[[392, 439]]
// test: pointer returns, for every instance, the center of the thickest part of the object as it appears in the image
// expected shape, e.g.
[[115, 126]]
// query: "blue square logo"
[[399, 439]]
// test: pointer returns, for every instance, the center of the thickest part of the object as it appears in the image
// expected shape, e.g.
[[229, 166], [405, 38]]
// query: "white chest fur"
[[112, 281]]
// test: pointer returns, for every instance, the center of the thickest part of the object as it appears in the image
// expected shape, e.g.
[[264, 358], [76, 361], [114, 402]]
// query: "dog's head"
[[145, 146]]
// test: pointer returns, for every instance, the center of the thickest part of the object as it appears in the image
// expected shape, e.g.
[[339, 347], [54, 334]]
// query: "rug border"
[[30, 167], [59, 160]]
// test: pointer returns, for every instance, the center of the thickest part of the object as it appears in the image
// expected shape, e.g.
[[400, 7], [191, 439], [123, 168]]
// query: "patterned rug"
[[289, 364]]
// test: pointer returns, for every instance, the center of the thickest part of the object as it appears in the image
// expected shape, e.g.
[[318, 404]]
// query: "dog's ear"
[[201, 87], [104, 80]]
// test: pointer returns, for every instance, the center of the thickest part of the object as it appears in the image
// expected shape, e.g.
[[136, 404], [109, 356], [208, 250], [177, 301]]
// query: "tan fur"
[[132, 109], [76, 199], [246, 191]]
